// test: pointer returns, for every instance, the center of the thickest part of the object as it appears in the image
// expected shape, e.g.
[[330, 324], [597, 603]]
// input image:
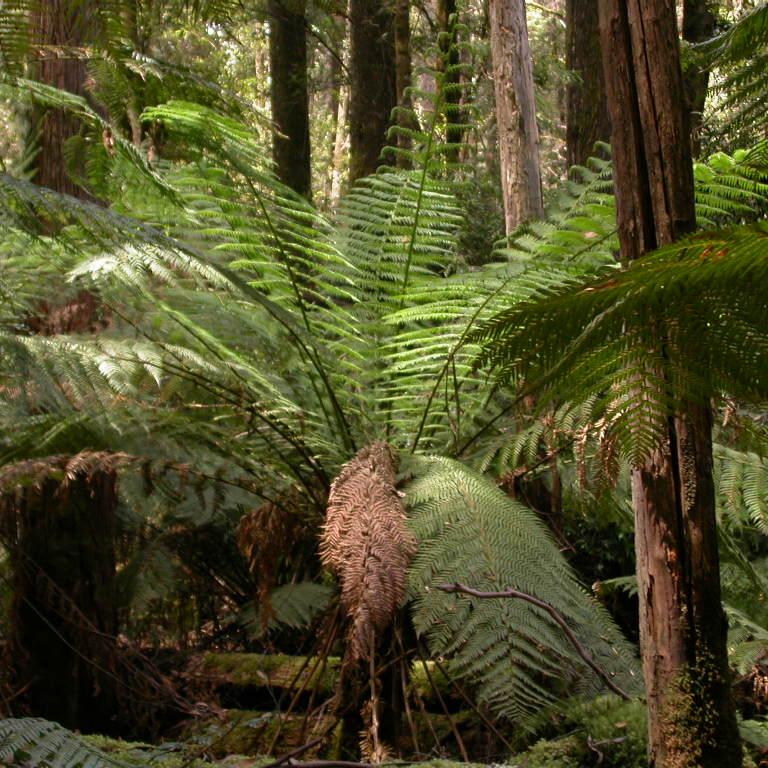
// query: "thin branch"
[[288, 756], [544, 9], [332, 764], [438, 695], [556, 616], [479, 712]]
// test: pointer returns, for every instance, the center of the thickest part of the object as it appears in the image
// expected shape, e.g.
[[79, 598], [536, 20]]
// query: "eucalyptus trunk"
[[289, 95], [587, 119], [373, 94], [692, 719], [518, 133], [59, 28]]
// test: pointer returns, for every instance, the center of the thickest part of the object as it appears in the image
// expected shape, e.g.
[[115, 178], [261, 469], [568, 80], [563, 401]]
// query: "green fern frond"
[[470, 532], [41, 744], [740, 55], [614, 349], [293, 605]]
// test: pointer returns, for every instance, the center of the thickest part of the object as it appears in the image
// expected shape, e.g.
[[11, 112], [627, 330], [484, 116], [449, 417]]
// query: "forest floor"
[[266, 706]]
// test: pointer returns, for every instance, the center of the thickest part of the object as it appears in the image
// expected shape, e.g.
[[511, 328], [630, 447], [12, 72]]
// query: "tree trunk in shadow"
[[289, 95], [60, 537], [59, 28], [586, 107], [373, 93], [698, 25]]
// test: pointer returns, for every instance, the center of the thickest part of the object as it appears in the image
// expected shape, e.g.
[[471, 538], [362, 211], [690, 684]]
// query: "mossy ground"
[[273, 671]]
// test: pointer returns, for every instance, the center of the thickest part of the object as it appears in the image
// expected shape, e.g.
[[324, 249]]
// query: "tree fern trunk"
[[692, 719], [61, 542], [289, 95], [515, 113]]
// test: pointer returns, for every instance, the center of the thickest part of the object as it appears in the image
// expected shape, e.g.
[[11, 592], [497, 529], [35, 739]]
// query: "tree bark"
[[373, 93], [587, 119], [515, 113], [289, 95], [61, 542], [449, 64], [698, 25], [57, 25], [692, 720]]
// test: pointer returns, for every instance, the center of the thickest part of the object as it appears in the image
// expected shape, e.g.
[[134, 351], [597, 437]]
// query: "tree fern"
[[740, 55], [688, 288], [470, 532], [42, 744]]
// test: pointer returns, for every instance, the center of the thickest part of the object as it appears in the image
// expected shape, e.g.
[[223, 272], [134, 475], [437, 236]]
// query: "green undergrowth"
[[167, 755], [280, 671], [605, 731], [273, 671], [187, 755]]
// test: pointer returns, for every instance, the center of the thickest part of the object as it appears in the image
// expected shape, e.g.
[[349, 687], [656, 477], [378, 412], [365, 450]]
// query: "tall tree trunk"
[[373, 94], [692, 719], [61, 535], [403, 74], [61, 541], [57, 25], [289, 94], [339, 146], [587, 119], [515, 113], [449, 54], [698, 25]]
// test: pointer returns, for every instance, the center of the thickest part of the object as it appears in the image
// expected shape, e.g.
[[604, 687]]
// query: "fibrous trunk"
[[289, 95], [372, 83], [692, 719], [60, 537], [587, 119], [515, 113]]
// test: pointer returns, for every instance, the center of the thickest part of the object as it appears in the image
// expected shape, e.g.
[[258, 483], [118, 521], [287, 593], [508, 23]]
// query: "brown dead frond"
[[64, 468], [366, 542], [83, 313], [266, 534]]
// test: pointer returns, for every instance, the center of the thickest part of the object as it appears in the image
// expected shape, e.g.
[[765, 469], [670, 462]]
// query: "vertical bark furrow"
[[586, 109], [692, 721]]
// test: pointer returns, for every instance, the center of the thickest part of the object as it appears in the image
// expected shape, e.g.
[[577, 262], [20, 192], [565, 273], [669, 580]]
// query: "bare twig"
[[544, 9], [333, 764], [479, 712], [556, 616], [436, 690], [288, 756]]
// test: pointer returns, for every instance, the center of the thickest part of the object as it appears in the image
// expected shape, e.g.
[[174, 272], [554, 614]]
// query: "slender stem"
[[439, 696], [294, 753]]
